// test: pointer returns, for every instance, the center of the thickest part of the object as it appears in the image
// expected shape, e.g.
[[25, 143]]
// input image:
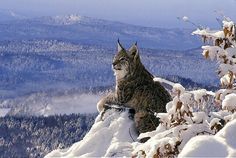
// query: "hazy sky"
[[157, 13]]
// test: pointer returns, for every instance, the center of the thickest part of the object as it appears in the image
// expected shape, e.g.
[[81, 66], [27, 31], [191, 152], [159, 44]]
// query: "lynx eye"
[[122, 59]]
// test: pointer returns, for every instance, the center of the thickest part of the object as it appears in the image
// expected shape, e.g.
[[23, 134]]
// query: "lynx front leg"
[[101, 104], [108, 100]]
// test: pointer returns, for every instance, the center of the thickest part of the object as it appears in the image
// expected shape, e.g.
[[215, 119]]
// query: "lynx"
[[136, 89]]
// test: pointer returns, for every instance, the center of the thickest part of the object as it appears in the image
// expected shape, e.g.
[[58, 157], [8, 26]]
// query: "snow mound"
[[111, 136], [223, 144], [229, 102]]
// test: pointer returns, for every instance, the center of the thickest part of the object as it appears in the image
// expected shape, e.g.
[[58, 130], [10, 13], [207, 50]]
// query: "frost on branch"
[[229, 103], [222, 48]]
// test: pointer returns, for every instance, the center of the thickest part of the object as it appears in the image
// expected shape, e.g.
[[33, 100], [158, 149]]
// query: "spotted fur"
[[136, 89]]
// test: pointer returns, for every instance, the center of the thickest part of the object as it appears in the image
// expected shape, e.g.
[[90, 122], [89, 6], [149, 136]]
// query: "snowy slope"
[[112, 137]]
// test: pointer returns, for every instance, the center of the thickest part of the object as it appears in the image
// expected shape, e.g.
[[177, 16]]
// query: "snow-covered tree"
[[222, 48]]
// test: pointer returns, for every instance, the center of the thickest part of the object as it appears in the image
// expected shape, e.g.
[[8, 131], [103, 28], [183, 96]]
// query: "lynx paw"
[[100, 105]]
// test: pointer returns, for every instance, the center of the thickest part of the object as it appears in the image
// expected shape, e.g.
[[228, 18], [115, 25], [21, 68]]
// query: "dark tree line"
[[36, 136]]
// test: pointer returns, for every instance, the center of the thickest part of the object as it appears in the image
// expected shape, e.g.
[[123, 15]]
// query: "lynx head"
[[126, 62]]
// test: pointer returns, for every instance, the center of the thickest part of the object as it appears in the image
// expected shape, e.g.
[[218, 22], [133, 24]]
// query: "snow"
[[228, 133], [199, 147], [79, 103], [161, 138], [225, 80], [199, 117], [214, 122], [46, 104], [209, 33], [178, 89], [185, 18], [67, 20], [228, 24], [4, 111], [223, 144], [187, 117], [165, 83], [198, 94], [114, 134], [161, 80], [185, 98], [229, 103], [211, 51], [111, 136], [231, 51], [225, 68], [178, 125]]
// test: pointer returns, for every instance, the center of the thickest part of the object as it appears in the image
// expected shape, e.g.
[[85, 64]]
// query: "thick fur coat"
[[136, 89]]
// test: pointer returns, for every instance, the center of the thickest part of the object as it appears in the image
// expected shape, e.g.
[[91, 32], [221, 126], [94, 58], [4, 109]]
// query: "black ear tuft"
[[118, 41], [120, 47]]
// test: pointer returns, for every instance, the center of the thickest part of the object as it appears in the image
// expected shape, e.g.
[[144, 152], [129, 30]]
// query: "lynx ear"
[[120, 47], [134, 52]]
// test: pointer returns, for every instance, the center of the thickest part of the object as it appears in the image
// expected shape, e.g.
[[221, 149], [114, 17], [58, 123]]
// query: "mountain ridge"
[[94, 31]]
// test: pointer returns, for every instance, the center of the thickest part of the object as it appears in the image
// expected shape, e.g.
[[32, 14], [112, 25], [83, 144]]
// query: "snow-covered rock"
[[111, 136]]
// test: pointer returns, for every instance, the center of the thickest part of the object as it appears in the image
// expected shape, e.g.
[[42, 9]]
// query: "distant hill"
[[86, 30], [42, 65]]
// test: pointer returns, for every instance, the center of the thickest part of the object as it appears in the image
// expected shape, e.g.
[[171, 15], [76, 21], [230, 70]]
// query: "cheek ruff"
[[120, 74]]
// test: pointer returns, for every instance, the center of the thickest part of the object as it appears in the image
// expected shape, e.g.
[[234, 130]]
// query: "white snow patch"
[[198, 94], [228, 24], [110, 137], [178, 89], [209, 33], [161, 80], [4, 111], [214, 121], [185, 18], [229, 103], [223, 144], [68, 20]]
